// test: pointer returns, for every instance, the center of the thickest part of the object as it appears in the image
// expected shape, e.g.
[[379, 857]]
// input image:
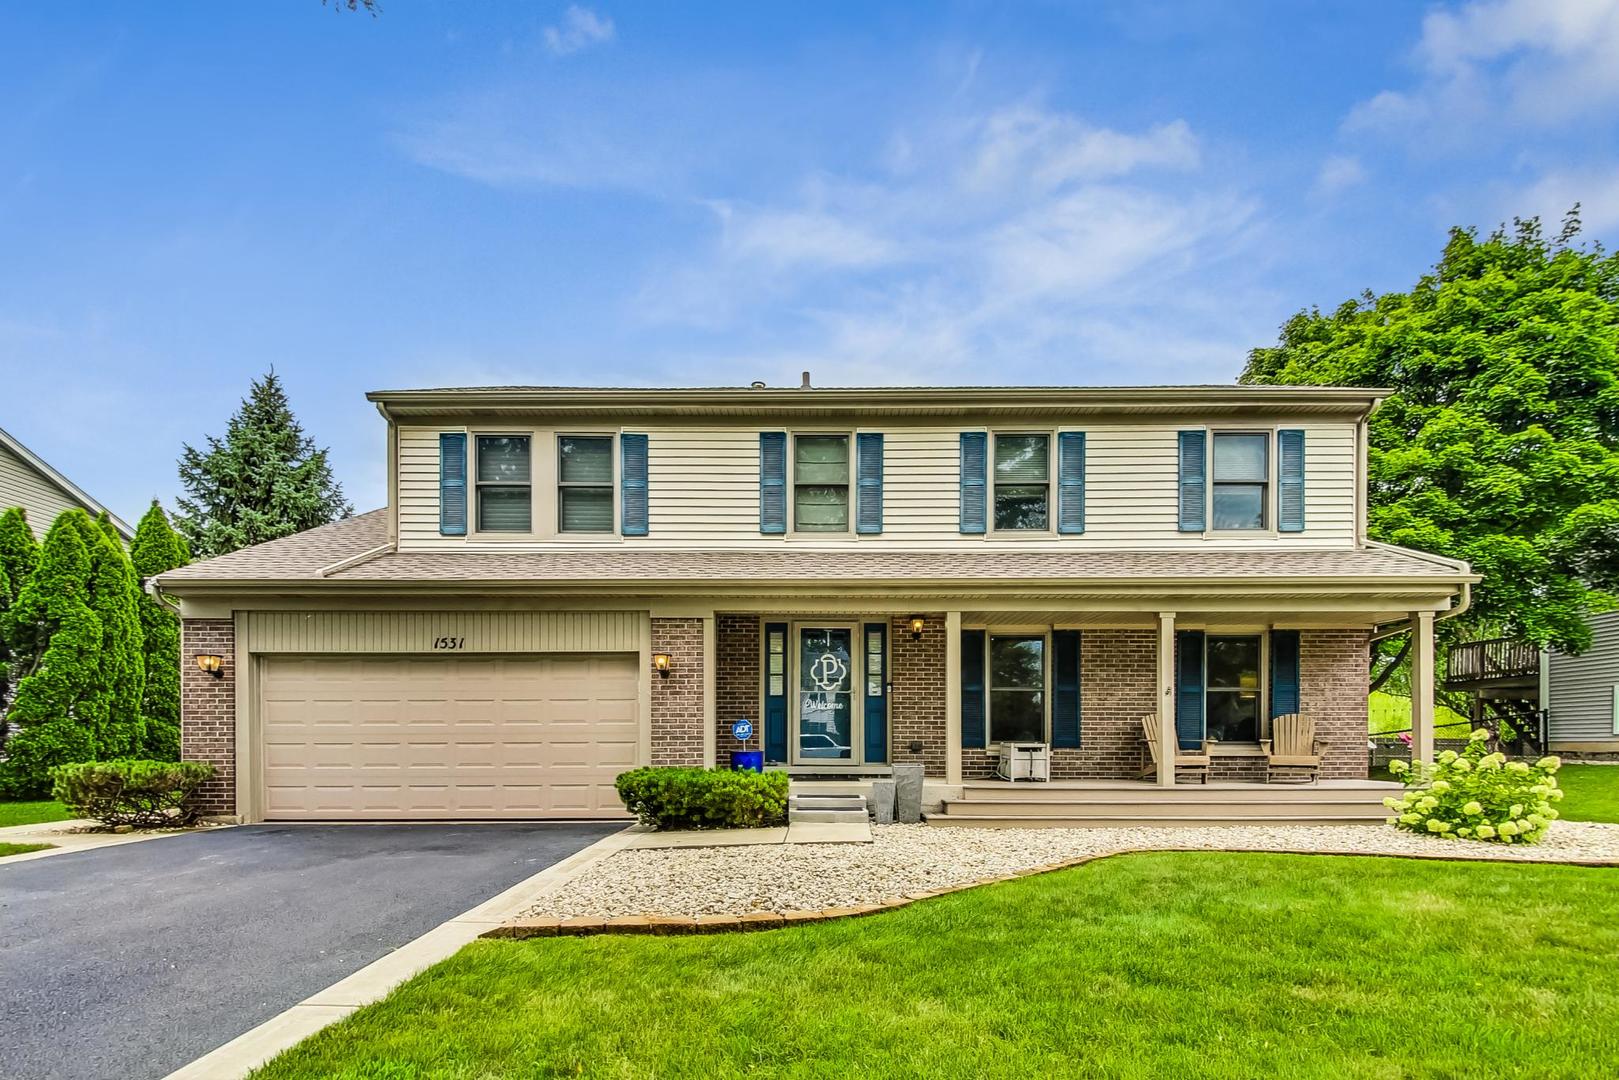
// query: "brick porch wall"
[[1118, 681], [737, 685], [916, 704], [677, 697], [208, 710], [1333, 681]]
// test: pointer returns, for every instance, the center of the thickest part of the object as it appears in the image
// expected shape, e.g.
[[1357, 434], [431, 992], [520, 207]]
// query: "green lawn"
[[21, 849], [1590, 792], [31, 813], [1390, 713], [1168, 964]]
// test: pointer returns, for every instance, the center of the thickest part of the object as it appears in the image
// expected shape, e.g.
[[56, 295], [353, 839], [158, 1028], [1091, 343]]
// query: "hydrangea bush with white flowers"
[[1477, 795]]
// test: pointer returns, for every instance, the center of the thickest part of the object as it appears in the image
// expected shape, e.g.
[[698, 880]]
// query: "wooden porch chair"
[[1195, 760], [1292, 746]]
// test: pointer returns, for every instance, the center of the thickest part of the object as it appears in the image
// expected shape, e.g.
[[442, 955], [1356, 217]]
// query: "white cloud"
[[1339, 173], [1490, 63], [1550, 197], [581, 28], [1050, 149], [802, 237]]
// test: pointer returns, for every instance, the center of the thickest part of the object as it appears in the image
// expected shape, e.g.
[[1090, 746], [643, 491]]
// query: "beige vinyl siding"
[[377, 632], [703, 487], [40, 498], [1580, 688]]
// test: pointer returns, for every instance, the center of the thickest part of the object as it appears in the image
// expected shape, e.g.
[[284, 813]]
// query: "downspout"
[[393, 474]]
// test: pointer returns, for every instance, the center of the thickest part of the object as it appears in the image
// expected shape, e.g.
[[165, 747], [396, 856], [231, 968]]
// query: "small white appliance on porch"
[[1024, 761]]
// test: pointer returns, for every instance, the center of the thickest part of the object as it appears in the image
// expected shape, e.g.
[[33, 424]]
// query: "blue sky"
[[626, 194]]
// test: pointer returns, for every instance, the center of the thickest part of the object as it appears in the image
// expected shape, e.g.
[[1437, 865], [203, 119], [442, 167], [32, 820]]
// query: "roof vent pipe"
[[805, 385], [758, 384]]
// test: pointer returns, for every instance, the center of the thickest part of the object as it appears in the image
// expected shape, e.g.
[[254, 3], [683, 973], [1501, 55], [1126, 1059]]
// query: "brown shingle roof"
[[305, 556]]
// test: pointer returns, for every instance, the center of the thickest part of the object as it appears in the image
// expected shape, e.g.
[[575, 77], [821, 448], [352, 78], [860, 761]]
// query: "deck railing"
[[1497, 658]]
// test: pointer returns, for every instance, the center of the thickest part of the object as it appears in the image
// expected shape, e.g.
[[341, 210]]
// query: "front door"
[[826, 723]]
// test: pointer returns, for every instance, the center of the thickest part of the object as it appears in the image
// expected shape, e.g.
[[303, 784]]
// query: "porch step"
[[1184, 792], [827, 808], [986, 821], [1258, 809]]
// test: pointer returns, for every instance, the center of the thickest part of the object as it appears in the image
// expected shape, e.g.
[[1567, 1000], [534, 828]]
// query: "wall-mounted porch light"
[[660, 663], [917, 623], [212, 664]]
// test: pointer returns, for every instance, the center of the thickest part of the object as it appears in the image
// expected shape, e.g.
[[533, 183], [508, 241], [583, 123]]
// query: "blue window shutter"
[[869, 484], [452, 483], [1065, 689], [1284, 672], [876, 704], [1189, 688], [1290, 480], [773, 483], [973, 706], [974, 481], [775, 719], [1071, 484], [632, 481], [1193, 482]]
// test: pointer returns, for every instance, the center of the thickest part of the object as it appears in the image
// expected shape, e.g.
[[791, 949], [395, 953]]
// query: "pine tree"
[[263, 481], [53, 718], [158, 548]]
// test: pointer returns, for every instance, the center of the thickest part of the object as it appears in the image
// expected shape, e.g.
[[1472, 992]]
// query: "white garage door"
[[446, 737]]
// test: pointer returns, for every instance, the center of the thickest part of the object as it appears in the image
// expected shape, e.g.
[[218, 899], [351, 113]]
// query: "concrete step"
[[829, 817], [983, 821], [1345, 808], [827, 802], [1197, 793]]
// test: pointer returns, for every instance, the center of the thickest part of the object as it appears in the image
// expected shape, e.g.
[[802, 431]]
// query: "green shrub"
[[140, 793], [676, 798], [1477, 795]]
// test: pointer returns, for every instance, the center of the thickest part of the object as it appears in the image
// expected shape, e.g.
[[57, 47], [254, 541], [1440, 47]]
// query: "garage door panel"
[[445, 737]]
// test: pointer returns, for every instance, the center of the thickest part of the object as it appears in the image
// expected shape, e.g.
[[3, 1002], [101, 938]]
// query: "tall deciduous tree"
[[158, 548], [1500, 444], [55, 714], [264, 480]]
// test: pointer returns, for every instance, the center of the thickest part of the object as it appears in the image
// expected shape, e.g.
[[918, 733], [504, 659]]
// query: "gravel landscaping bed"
[[905, 859]]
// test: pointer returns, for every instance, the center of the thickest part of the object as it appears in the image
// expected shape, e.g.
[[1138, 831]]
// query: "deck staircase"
[[827, 809], [1000, 805]]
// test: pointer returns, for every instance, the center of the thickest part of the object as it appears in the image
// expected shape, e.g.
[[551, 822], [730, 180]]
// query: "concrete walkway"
[[800, 832], [131, 961]]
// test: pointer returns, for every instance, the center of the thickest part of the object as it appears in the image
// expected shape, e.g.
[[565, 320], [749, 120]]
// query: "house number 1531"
[[449, 643]]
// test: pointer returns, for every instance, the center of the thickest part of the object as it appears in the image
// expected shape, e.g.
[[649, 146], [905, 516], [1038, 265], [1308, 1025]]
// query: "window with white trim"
[[585, 483], [505, 487], [821, 483], [1022, 479], [1241, 480]]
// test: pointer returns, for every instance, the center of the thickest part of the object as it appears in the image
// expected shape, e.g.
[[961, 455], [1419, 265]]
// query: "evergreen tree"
[[158, 548], [115, 596], [263, 481], [53, 718], [19, 554]]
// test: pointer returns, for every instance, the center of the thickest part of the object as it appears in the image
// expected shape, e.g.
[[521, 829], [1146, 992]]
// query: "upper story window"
[[821, 483], [1022, 482], [585, 483], [1232, 688], [1241, 480], [505, 491]]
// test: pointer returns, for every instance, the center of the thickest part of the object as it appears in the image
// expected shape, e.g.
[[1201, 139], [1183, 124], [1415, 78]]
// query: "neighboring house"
[[1581, 694], [569, 582], [26, 480]]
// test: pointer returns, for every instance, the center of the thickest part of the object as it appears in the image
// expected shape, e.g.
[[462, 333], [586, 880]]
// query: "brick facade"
[[208, 710], [917, 700], [738, 689], [1333, 682], [677, 695]]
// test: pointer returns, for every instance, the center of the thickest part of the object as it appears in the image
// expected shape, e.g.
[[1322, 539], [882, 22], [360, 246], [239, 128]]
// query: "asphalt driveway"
[[132, 961]]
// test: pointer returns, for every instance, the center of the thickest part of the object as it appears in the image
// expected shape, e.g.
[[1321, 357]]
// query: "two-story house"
[[569, 582]]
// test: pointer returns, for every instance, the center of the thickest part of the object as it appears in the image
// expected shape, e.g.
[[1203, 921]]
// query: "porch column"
[[1167, 743], [952, 697], [1422, 677], [711, 718]]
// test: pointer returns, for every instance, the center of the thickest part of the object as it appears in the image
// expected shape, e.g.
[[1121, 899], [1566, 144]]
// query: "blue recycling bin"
[[748, 760]]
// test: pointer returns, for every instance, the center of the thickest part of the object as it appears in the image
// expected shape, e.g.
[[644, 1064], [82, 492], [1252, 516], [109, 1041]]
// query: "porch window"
[[585, 483], [1022, 482], [1017, 689], [821, 483], [1241, 480], [1233, 688], [505, 497]]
